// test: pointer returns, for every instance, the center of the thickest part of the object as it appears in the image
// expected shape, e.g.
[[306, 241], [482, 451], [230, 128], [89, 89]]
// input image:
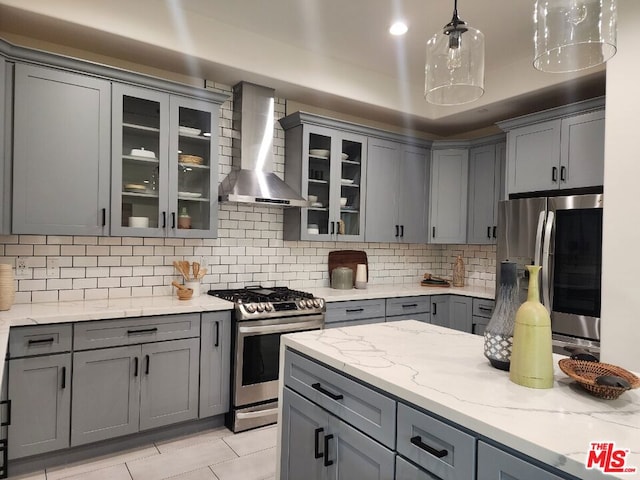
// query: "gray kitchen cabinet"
[[494, 463], [452, 311], [328, 162], [397, 179], [106, 394], [40, 393], [215, 356], [61, 149], [341, 314], [5, 409], [448, 196], [409, 308], [561, 148], [481, 314], [486, 184], [164, 164], [408, 471], [6, 123]]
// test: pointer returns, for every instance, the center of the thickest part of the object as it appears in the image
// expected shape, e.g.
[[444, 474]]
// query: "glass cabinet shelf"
[[140, 128], [134, 158]]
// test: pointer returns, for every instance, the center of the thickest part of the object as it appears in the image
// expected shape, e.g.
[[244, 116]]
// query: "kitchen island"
[[441, 373]]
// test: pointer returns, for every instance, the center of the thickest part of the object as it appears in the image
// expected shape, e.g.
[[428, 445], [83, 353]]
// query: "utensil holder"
[[193, 285]]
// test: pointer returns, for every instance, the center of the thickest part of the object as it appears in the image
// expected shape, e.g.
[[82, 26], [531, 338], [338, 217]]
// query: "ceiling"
[[331, 54]]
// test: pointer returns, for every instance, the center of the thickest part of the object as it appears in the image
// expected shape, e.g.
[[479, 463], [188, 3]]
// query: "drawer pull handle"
[[142, 331], [397, 231], [354, 310], [327, 462], [217, 344], [485, 309], [148, 359], [318, 387], [316, 442], [64, 378], [8, 421], [417, 441], [410, 305], [135, 367], [41, 341]]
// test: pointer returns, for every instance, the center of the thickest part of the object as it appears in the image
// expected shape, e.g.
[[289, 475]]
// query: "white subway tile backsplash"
[[70, 295]]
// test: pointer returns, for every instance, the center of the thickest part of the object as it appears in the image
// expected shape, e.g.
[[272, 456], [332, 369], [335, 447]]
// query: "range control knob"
[[309, 303], [302, 304], [260, 307], [268, 307], [250, 307], [317, 303]]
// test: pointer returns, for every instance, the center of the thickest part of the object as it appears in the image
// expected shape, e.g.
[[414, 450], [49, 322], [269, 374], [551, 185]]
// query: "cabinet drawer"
[[39, 340], [479, 325], [421, 317], [131, 331], [494, 463], [406, 305], [345, 311], [360, 406], [483, 307], [441, 449]]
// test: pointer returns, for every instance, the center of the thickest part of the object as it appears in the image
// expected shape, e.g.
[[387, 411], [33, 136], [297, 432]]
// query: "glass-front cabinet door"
[[194, 167], [332, 181], [164, 164]]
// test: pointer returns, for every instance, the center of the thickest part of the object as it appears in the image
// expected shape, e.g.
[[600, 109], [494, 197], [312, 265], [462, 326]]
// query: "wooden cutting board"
[[348, 258]]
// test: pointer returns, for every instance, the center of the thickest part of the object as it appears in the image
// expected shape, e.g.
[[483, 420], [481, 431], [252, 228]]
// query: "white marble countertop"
[[444, 371], [390, 291]]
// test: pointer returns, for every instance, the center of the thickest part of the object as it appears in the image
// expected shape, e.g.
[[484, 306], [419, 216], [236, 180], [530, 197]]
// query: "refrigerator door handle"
[[536, 258], [546, 262]]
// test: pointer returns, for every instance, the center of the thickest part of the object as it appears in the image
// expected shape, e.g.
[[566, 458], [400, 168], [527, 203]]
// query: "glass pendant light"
[[454, 70], [572, 35]]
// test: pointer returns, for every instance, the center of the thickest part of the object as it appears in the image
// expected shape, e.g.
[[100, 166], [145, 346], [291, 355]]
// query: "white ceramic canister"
[[7, 287], [193, 285], [361, 276]]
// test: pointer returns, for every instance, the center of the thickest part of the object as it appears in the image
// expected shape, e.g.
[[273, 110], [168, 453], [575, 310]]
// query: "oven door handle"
[[546, 262], [282, 328], [256, 414]]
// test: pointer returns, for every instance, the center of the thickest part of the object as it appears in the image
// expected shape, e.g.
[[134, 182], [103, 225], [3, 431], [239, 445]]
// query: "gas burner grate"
[[260, 294]]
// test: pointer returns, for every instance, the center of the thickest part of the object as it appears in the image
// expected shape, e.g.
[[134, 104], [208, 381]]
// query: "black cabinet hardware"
[[217, 344], [433, 232], [563, 174], [333, 228], [554, 174], [135, 367], [148, 360], [494, 231], [434, 309], [485, 309], [397, 231], [173, 219], [316, 442], [8, 421], [327, 462], [64, 378], [142, 331], [318, 387], [164, 219], [41, 341], [104, 217], [4, 473], [401, 230], [409, 305], [417, 441], [354, 310], [488, 232]]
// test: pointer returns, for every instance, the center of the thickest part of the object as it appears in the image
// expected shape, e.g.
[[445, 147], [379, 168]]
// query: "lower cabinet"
[[452, 311], [40, 392], [408, 471], [215, 358], [482, 310], [318, 445], [357, 312], [494, 463], [122, 390], [409, 308]]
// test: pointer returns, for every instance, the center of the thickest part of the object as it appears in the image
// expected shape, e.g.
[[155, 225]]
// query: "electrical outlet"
[[21, 267], [53, 267]]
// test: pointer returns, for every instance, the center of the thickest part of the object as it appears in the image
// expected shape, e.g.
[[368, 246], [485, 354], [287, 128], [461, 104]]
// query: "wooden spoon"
[[196, 269], [202, 273], [185, 269]]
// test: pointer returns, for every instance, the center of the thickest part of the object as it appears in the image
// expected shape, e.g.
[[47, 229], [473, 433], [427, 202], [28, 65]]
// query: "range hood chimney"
[[252, 179]]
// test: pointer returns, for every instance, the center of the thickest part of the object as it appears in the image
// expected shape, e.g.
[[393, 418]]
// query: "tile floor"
[[215, 454]]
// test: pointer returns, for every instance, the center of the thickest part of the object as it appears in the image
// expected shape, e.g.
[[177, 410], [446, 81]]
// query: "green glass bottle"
[[531, 354]]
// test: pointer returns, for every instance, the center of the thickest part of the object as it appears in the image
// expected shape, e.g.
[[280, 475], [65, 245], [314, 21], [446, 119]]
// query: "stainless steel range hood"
[[252, 179]]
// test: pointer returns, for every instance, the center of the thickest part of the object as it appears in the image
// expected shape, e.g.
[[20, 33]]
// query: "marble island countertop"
[[444, 371]]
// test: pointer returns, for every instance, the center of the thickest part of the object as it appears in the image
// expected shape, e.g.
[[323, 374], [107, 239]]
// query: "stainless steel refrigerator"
[[564, 236]]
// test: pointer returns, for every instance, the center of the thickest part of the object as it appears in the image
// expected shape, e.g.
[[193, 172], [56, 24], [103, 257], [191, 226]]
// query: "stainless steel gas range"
[[260, 317]]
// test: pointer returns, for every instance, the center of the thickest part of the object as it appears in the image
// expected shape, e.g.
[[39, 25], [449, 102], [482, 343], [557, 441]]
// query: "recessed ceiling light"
[[398, 28]]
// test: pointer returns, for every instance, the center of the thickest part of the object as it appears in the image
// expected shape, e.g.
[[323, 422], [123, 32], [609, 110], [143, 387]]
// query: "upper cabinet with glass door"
[[164, 169], [326, 165]]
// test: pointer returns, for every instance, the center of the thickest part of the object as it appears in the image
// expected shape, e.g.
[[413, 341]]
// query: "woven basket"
[[192, 159], [585, 373]]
